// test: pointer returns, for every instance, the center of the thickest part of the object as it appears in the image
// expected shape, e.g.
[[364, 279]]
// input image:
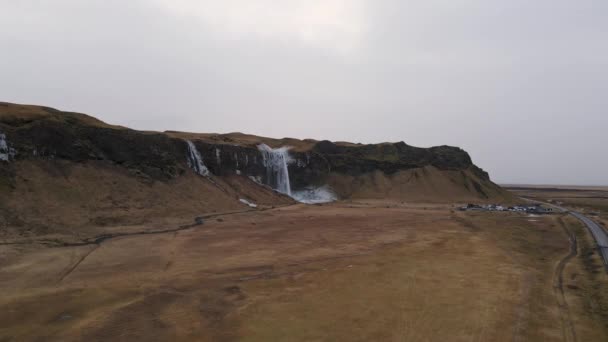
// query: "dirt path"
[[78, 262], [99, 239], [568, 330], [384, 273]]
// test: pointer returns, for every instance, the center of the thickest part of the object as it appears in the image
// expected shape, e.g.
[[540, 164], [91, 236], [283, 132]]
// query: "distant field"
[[592, 200], [555, 187], [359, 271]]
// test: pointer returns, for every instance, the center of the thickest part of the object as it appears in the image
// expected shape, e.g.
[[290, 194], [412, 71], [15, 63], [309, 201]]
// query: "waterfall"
[[195, 160], [5, 152], [218, 156], [275, 161]]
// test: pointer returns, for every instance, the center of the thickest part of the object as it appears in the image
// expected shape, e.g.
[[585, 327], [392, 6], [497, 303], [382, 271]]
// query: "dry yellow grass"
[[368, 270], [584, 286], [246, 140], [427, 184], [82, 199], [592, 200], [17, 114]]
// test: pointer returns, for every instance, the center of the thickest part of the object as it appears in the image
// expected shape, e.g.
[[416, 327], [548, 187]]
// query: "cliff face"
[[32, 134], [40, 132], [45, 133]]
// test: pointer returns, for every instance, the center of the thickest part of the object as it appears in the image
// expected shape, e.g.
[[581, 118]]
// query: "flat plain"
[[357, 271], [589, 200]]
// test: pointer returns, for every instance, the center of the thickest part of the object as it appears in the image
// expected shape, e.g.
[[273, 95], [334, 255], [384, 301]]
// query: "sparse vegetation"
[[107, 234], [366, 270]]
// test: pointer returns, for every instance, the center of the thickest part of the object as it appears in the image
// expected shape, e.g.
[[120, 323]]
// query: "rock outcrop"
[[58, 141]]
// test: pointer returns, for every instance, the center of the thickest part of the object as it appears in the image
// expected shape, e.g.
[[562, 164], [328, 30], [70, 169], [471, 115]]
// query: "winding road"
[[599, 234]]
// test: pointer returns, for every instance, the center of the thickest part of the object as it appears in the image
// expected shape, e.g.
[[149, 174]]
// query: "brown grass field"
[[349, 271], [591, 200]]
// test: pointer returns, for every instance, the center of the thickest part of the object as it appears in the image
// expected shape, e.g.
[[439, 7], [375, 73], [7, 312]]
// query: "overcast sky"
[[521, 85]]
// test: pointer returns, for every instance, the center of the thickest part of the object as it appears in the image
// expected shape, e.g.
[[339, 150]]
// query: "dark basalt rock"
[[153, 154], [390, 158], [79, 138]]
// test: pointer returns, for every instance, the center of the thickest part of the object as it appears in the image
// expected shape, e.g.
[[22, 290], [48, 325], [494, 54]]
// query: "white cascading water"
[[314, 195], [218, 156], [4, 150], [277, 174], [195, 160]]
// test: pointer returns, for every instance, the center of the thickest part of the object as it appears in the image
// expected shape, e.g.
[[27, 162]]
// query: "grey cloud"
[[520, 85]]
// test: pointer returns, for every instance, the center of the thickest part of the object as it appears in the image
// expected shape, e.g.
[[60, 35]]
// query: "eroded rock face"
[[53, 134], [305, 168], [391, 158], [153, 154]]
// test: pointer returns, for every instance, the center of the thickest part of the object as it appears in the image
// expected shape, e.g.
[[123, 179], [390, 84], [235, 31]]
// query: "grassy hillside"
[[57, 196], [426, 184], [68, 172]]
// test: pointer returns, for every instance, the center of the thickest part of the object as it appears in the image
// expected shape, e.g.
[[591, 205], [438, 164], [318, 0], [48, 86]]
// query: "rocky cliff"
[[48, 144]]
